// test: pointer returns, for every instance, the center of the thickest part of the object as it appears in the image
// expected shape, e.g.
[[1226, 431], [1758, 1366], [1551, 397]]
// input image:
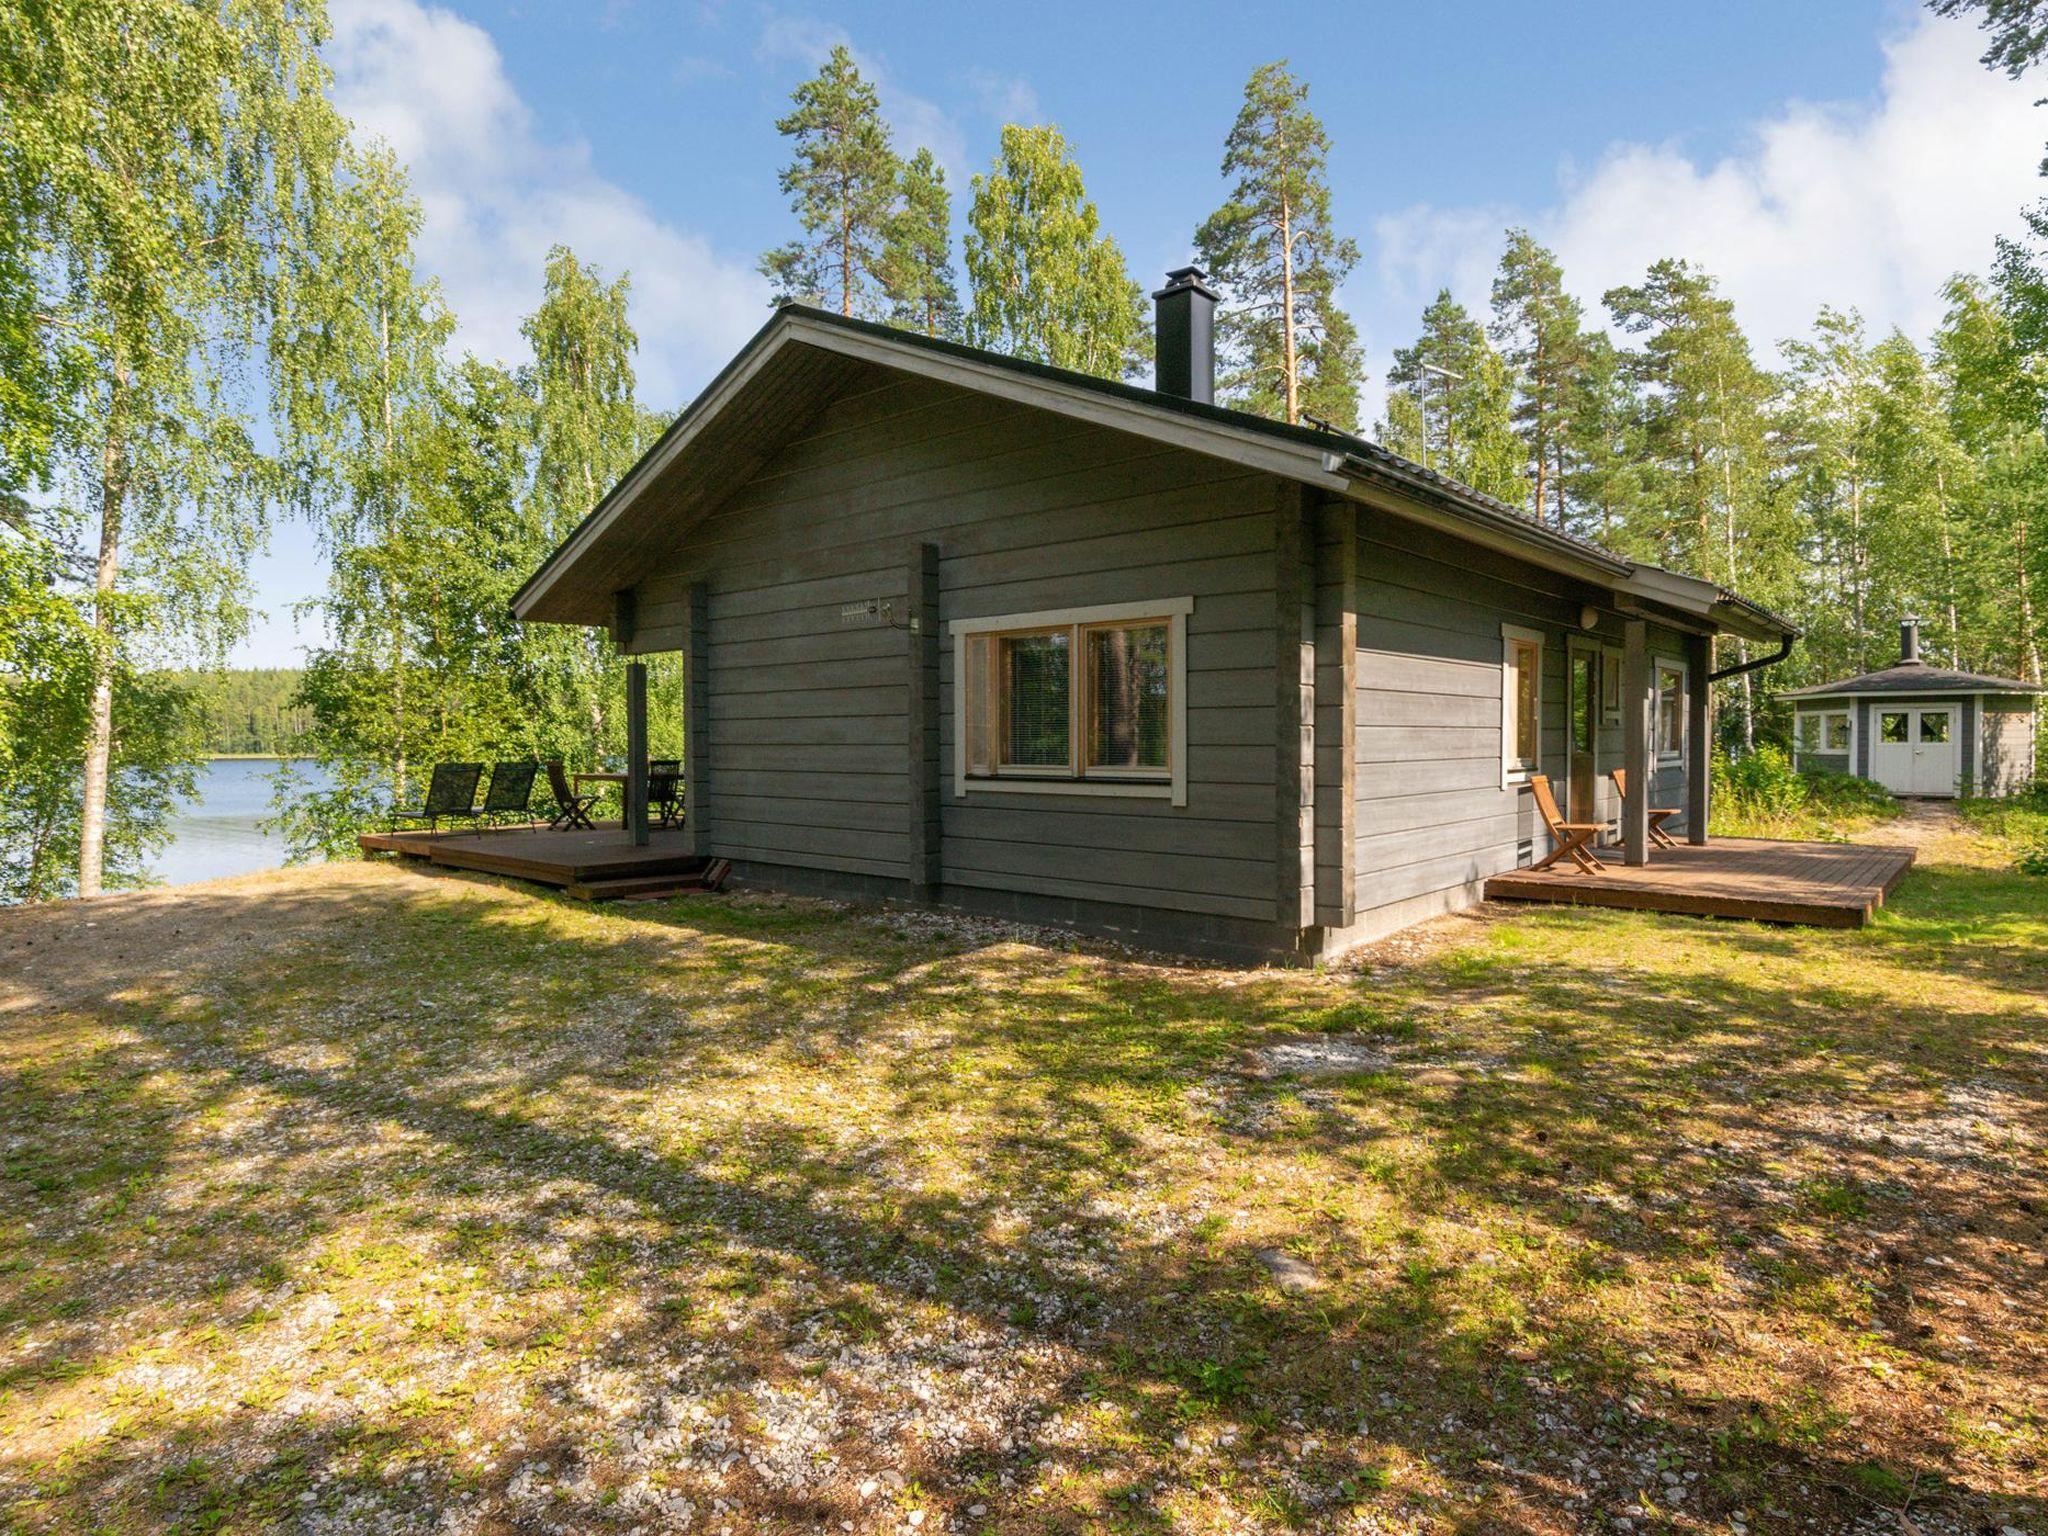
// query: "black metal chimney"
[[1185, 324], [1909, 642]]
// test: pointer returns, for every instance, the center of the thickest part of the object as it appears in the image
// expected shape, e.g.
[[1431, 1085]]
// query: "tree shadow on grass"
[[1143, 1334]]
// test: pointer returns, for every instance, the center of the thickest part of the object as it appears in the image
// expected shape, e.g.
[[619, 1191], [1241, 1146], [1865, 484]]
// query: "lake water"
[[217, 834]]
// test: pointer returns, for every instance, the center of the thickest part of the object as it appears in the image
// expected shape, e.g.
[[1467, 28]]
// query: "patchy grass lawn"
[[363, 1199]]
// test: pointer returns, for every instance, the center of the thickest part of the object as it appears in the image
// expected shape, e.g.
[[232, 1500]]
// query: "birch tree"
[[1046, 283], [167, 151]]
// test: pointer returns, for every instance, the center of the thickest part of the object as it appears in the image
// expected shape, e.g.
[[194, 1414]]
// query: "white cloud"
[[496, 193], [1004, 98], [1871, 206]]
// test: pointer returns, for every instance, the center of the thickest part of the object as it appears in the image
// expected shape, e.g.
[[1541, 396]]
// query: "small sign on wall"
[[873, 610]]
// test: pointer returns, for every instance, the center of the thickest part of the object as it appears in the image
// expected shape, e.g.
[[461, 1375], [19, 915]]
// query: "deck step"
[[634, 887]]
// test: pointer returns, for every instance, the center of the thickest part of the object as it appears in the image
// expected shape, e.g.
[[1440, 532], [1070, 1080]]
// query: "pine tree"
[[1046, 283], [1539, 328], [1703, 452], [842, 185], [1288, 348], [917, 256], [1450, 403]]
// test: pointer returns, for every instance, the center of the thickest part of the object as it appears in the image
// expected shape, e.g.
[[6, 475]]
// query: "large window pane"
[[982, 691], [1892, 727], [1582, 701], [1809, 733], [1127, 679], [1838, 733], [1934, 725], [1525, 661], [1037, 713], [1670, 710]]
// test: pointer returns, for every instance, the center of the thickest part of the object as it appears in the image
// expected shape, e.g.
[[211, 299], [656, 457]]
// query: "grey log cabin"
[[969, 630], [1919, 729]]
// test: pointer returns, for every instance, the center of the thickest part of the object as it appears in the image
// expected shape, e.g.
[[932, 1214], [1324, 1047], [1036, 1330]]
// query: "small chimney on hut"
[[1909, 642]]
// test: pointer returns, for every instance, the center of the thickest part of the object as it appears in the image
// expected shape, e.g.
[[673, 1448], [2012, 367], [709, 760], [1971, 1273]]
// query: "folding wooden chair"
[[1570, 839], [1659, 814]]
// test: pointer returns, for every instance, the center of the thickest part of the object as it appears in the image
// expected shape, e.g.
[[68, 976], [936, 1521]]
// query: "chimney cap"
[[1182, 278]]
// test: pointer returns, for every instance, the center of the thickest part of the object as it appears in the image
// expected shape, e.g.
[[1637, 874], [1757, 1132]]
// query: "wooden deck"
[[593, 865], [1821, 885]]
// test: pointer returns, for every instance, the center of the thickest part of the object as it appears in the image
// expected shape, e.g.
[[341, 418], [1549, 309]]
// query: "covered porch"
[[624, 857]]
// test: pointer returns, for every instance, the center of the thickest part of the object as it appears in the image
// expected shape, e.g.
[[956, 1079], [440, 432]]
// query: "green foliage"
[[248, 711], [164, 166], [1287, 348], [1760, 794], [917, 257], [1538, 326], [842, 184], [47, 677], [1450, 404], [1047, 284], [2017, 822]]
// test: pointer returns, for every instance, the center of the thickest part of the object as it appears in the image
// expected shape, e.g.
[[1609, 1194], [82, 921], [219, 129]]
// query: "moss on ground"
[[360, 1198]]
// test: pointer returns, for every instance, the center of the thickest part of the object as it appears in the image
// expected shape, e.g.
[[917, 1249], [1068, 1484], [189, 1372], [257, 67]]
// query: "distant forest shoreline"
[[249, 711]]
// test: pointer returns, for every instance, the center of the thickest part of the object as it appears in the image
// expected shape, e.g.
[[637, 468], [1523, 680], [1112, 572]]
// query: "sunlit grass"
[[363, 1195]]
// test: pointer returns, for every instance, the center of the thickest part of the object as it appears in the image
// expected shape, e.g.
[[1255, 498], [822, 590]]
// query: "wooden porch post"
[[1638, 705], [1294, 680], [636, 751], [922, 599], [1699, 737], [697, 722]]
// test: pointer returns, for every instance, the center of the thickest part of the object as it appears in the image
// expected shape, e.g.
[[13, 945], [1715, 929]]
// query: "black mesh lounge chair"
[[511, 791], [450, 793], [665, 790], [571, 809]]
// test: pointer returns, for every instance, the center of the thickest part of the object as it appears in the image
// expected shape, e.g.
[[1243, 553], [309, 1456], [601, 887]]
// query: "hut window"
[[1087, 700], [1521, 703], [1823, 731], [1669, 741]]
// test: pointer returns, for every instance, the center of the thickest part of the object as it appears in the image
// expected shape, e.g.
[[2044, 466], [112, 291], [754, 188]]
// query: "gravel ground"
[[360, 1200]]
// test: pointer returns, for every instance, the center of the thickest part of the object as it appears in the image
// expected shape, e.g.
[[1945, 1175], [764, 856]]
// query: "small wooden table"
[[582, 779]]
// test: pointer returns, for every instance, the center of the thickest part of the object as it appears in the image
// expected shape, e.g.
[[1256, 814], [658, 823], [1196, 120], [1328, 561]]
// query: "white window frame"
[[1171, 786], [1512, 771], [1663, 754], [1823, 714]]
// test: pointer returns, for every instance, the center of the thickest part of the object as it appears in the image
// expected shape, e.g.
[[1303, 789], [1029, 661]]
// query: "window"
[[1891, 726], [1823, 731], [1668, 738], [1585, 671], [1934, 725], [1610, 686], [1086, 700], [1521, 703]]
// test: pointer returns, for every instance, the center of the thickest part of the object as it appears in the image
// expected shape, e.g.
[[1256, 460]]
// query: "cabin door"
[[1917, 751], [1582, 731]]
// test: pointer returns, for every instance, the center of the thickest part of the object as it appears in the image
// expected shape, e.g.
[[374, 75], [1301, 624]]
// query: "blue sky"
[[1846, 151]]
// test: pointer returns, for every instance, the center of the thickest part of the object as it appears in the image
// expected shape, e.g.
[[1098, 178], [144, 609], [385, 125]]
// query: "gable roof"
[[1912, 677], [779, 379]]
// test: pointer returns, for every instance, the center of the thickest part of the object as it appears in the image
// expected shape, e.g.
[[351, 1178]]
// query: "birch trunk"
[[99, 750]]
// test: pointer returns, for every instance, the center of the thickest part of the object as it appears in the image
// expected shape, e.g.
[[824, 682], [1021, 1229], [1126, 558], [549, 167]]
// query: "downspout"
[[1784, 649]]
